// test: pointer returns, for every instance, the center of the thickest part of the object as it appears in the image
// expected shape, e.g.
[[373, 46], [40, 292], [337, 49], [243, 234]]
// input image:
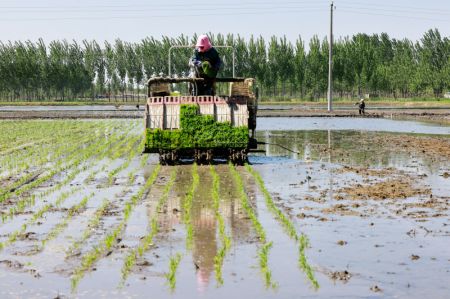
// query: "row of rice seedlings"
[[40, 156], [187, 206], [287, 225], [69, 141], [83, 144], [21, 132], [36, 216], [226, 240], [76, 160], [142, 162], [173, 266], [132, 149], [19, 183], [33, 132], [147, 241], [36, 157], [117, 148], [29, 201], [265, 248], [41, 159], [131, 177], [60, 227], [118, 154], [43, 156], [18, 129], [88, 260], [23, 145], [92, 225], [15, 139]]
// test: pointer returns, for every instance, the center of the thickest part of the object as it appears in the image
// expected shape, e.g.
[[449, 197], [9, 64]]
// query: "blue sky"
[[132, 20]]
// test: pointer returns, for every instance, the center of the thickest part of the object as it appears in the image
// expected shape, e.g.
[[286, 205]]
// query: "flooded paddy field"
[[335, 208]]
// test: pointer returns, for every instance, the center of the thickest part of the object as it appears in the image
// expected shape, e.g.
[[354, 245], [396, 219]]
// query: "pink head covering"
[[203, 43]]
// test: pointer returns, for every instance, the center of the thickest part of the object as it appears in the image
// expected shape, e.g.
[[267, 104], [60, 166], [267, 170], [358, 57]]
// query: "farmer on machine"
[[361, 105], [205, 64]]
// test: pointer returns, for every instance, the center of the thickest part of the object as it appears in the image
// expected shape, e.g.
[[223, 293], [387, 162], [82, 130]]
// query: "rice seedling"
[[287, 225], [106, 244], [30, 200], [226, 240], [187, 206], [173, 266], [303, 263], [143, 160], [58, 228], [147, 240], [264, 249], [133, 150], [38, 215], [91, 150], [93, 223], [38, 156]]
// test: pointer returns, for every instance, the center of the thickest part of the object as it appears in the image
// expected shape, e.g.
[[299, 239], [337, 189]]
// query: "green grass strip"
[[287, 225]]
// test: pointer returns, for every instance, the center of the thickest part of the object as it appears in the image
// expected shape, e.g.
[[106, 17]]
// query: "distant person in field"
[[362, 106], [205, 64]]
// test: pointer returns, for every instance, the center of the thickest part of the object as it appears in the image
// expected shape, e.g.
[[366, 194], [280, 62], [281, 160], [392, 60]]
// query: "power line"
[[394, 10], [352, 11], [156, 6], [181, 9], [269, 12], [378, 5]]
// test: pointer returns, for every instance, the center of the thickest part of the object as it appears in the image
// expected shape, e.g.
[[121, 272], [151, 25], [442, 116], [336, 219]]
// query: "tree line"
[[363, 64]]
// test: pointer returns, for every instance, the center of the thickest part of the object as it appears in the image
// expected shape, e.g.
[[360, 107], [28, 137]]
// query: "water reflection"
[[206, 243], [356, 148]]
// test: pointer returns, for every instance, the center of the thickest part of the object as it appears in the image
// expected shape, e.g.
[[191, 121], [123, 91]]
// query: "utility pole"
[[330, 62]]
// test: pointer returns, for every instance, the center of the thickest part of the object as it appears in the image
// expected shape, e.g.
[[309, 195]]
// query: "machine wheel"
[[162, 158], [202, 157], [238, 157], [168, 157], [209, 156]]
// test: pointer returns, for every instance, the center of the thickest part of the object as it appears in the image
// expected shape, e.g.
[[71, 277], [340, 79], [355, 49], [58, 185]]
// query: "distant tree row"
[[363, 64]]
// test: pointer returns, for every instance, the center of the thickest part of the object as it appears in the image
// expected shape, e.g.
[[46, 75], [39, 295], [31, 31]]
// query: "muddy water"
[[374, 206], [392, 242]]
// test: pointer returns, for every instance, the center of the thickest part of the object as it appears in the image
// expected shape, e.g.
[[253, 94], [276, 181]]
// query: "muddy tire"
[[168, 157], [203, 157], [238, 157], [162, 158]]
